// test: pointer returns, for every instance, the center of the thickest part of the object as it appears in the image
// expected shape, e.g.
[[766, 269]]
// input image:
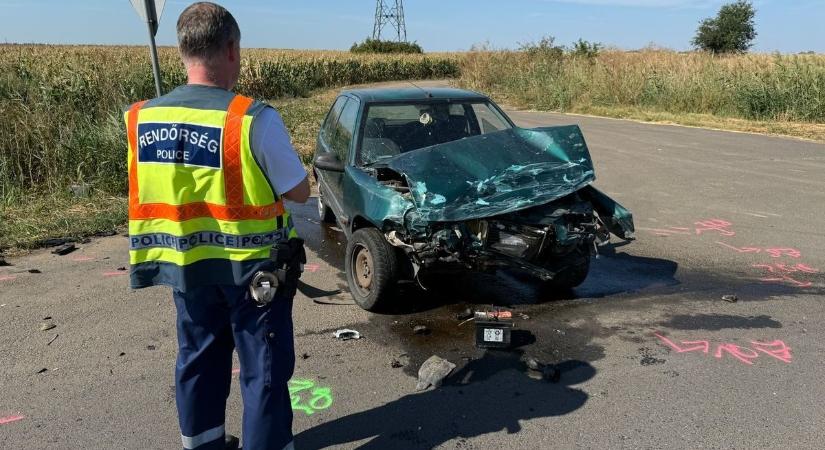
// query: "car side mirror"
[[329, 161]]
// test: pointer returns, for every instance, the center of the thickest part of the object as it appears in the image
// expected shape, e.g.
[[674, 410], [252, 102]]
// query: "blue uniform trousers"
[[211, 322]]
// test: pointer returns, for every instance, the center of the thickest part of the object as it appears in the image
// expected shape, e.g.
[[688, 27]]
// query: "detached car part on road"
[[441, 178]]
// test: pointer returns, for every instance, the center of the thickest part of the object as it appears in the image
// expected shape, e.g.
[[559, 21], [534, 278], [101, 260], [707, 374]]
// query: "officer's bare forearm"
[[300, 193]]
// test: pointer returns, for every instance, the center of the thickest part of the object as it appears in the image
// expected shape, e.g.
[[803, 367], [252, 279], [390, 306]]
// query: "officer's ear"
[[233, 50]]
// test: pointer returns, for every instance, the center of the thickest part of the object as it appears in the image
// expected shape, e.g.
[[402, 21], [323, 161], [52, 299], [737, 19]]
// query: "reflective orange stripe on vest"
[[232, 176], [235, 209]]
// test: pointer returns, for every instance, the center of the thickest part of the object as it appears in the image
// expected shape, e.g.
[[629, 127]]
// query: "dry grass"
[[772, 93], [61, 107], [31, 221]]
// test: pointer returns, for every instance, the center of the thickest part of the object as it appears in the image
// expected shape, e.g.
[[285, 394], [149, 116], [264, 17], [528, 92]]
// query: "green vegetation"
[[378, 46], [302, 117], [29, 221], [586, 49], [731, 31], [62, 120], [764, 88], [62, 106]]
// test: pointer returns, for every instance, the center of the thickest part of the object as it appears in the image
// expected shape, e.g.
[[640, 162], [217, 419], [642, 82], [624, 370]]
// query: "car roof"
[[389, 95]]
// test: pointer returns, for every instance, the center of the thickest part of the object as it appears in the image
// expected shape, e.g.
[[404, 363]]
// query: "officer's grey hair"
[[204, 31]]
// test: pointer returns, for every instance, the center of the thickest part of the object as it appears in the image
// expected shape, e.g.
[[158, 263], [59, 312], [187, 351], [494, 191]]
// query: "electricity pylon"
[[390, 13]]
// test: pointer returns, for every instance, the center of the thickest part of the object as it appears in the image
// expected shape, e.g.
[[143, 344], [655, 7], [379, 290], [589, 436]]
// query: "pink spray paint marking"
[[114, 274], [718, 225], [776, 349], [236, 371], [311, 268], [10, 419], [708, 225], [741, 249], [775, 252], [737, 352], [82, 259], [8, 278], [780, 252], [780, 273], [704, 346]]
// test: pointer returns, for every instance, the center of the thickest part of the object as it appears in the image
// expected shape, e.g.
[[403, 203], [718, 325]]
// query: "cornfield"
[[61, 106]]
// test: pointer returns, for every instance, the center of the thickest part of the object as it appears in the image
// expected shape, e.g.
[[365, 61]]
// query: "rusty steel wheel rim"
[[362, 266]]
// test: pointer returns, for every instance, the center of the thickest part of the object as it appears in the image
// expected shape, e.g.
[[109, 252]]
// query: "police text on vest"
[[179, 143]]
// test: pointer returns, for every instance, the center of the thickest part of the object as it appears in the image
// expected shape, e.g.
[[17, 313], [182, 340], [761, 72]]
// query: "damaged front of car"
[[517, 198]]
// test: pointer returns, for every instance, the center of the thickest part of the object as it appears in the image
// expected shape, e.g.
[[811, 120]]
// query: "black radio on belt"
[[289, 258]]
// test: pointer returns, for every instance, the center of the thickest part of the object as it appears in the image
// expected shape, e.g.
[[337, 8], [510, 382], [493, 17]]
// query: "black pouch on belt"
[[289, 258]]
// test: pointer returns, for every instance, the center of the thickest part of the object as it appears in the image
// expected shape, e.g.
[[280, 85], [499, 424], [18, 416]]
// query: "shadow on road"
[[609, 275], [487, 395]]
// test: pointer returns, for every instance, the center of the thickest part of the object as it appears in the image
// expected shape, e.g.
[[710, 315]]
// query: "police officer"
[[208, 172]]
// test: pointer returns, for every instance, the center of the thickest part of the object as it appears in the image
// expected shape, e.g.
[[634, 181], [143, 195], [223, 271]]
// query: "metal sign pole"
[[152, 24], [150, 11]]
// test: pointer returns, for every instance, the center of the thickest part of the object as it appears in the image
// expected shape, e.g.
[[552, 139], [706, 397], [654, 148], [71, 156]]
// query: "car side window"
[[345, 129], [489, 119], [328, 129]]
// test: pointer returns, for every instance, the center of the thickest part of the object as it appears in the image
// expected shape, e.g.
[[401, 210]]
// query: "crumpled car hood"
[[495, 173]]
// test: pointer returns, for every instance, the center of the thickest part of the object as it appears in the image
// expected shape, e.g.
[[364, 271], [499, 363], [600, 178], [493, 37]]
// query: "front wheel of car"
[[324, 211], [571, 271], [372, 269]]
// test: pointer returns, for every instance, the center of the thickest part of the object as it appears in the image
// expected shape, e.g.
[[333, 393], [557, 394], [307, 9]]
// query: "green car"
[[438, 179]]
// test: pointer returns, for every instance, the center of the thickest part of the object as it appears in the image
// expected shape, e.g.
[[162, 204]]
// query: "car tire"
[[325, 213], [571, 271], [372, 269]]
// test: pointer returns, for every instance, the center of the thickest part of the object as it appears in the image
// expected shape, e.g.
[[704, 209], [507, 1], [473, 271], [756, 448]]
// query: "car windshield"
[[390, 130]]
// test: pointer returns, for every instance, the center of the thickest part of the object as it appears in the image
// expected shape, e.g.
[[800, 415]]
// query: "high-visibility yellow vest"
[[201, 210]]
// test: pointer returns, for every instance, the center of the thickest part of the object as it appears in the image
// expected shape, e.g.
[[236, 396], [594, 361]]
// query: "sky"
[[786, 26]]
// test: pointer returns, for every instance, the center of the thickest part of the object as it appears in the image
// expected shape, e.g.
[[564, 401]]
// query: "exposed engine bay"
[[539, 240]]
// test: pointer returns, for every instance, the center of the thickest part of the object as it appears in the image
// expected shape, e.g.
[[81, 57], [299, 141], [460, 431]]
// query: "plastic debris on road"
[[421, 329], [540, 371], [64, 249], [346, 335]]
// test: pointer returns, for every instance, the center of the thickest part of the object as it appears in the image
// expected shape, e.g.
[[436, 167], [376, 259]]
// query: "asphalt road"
[[649, 353]]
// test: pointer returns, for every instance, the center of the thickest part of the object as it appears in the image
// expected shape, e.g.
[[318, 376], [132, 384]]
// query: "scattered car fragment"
[[346, 335], [541, 371], [64, 249], [442, 179], [433, 372]]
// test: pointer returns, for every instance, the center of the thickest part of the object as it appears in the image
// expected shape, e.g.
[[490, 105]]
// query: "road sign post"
[[150, 11]]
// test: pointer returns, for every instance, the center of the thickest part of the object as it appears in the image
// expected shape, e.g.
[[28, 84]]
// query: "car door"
[[329, 181], [342, 140]]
